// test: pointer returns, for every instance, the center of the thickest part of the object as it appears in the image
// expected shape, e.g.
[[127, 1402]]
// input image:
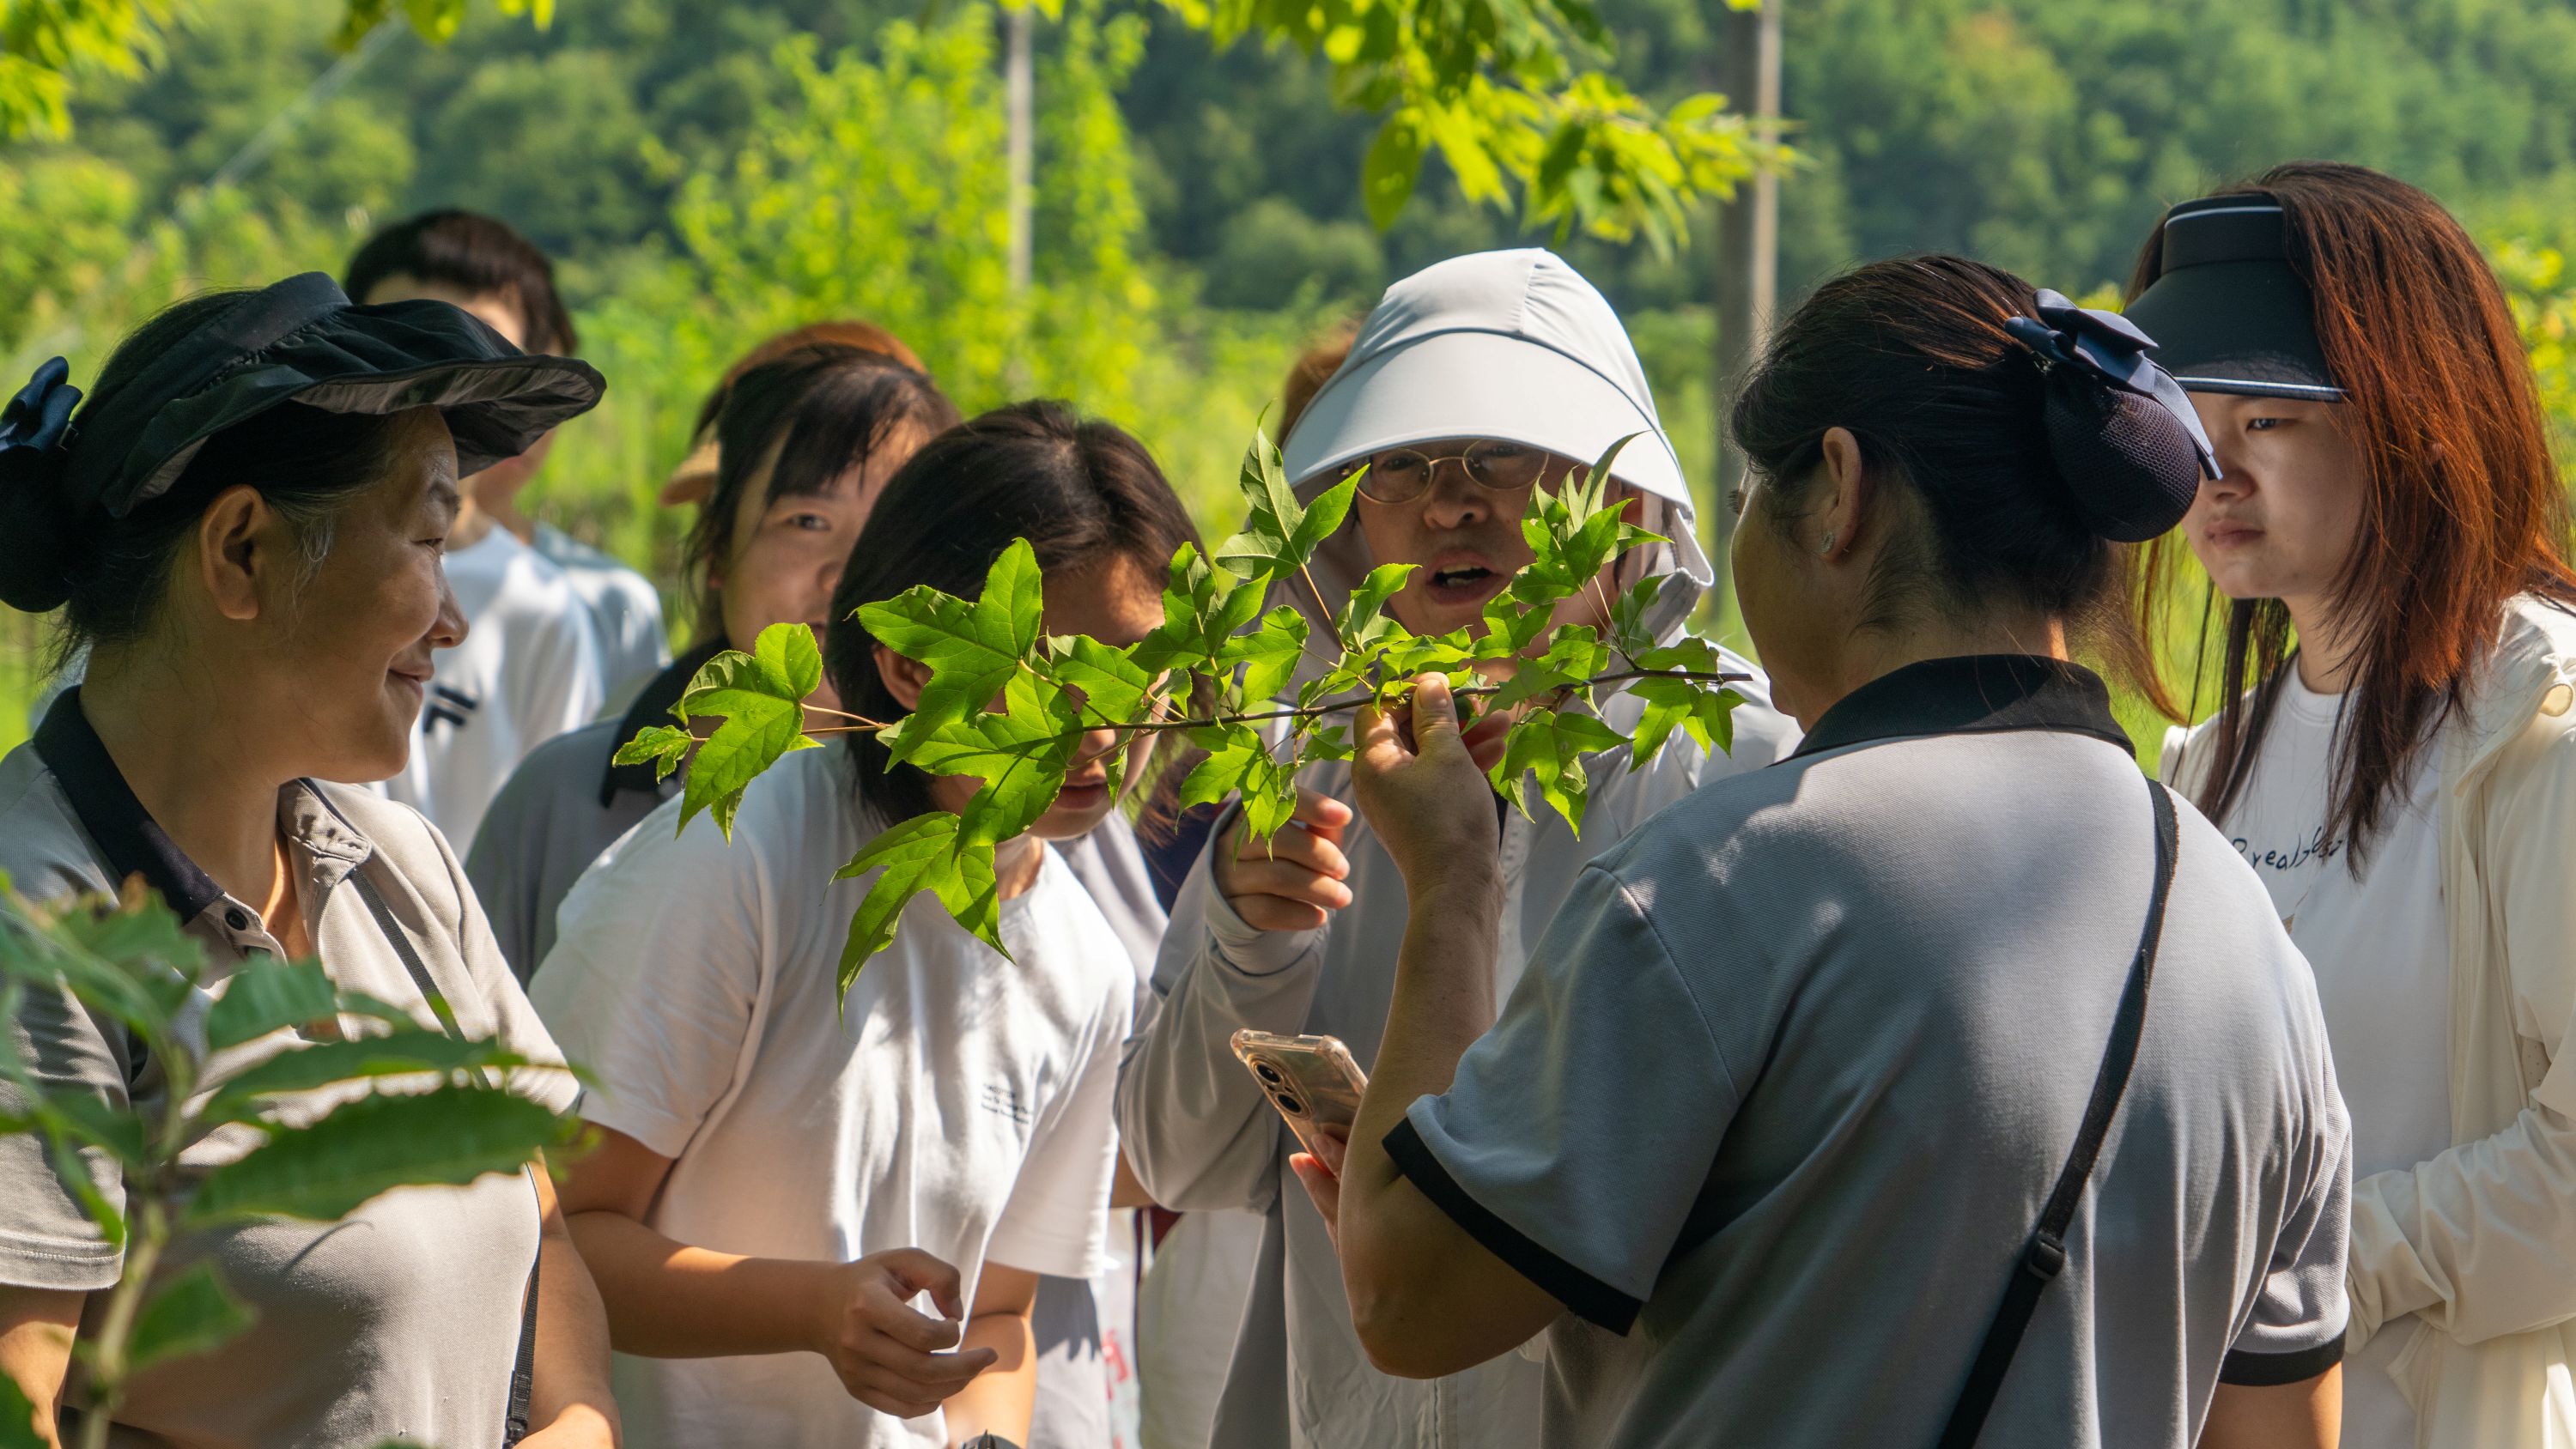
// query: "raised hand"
[[1291, 881], [1422, 791]]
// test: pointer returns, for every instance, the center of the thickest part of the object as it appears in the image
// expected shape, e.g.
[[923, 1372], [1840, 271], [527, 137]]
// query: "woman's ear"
[[1844, 497], [237, 539], [904, 679]]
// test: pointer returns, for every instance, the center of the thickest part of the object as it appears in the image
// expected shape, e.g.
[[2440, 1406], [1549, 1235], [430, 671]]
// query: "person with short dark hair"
[[1835, 1106], [560, 628], [2394, 752], [814, 434], [244, 526], [946, 1127]]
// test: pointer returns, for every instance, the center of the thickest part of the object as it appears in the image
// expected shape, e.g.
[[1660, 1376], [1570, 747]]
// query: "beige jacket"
[[2473, 1253]]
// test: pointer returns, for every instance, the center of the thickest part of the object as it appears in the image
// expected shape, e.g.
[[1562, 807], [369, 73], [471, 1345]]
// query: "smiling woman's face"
[[787, 552], [2283, 521], [350, 649]]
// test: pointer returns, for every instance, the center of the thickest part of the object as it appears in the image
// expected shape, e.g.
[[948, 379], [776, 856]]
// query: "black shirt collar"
[[650, 708], [1971, 694], [124, 831]]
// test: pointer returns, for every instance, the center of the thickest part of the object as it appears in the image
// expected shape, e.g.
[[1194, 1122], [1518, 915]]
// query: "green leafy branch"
[[407, 1105], [1256, 691]]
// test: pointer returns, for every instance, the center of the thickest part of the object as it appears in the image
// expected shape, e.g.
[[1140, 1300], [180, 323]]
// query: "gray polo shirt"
[[402, 1320], [1779, 1098]]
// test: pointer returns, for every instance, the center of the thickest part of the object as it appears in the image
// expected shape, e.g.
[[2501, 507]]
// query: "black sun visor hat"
[[303, 341], [2228, 312]]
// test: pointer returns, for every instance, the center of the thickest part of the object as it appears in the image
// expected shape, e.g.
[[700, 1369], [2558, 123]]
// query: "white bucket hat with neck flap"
[[1514, 345]]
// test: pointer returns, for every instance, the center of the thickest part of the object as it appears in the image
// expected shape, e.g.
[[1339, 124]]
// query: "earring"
[[1828, 550]]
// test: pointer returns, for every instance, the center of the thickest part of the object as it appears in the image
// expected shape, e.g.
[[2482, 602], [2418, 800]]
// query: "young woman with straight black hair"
[[243, 527], [809, 441], [1833, 1107], [781, 1170], [2394, 751]]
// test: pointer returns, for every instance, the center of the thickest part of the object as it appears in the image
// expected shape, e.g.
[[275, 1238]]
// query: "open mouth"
[[1463, 581]]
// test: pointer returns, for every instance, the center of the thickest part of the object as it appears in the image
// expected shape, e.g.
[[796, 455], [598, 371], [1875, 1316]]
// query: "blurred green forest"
[[710, 170]]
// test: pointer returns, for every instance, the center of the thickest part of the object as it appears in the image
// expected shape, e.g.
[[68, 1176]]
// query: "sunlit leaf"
[[266, 995], [190, 1314], [322, 1064], [1112, 683], [760, 699], [372, 1145], [972, 650], [1270, 653]]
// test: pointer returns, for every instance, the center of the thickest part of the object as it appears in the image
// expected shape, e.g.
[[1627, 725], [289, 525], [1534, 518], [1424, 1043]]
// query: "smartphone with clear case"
[[1311, 1080]]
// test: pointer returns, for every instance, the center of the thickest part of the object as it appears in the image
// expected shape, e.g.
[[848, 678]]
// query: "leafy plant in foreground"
[[444, 1119], [1008, 705]]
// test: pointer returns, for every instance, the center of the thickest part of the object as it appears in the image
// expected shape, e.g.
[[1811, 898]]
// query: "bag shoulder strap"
[[400, 940], [2044, 1255], [523, 1366]]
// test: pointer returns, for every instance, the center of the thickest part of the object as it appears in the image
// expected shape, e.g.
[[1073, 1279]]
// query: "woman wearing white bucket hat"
[[1510, 366]]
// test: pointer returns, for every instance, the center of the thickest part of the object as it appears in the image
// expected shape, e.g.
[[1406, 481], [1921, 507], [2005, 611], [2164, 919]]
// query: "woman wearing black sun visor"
[[243, 527], [2394, 751]]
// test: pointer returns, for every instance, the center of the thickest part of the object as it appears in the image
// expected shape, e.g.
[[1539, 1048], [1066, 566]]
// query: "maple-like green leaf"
[[1628, 616], [663, 747], [1702, 711], [1573, 656], [1279, 536], [1201, 610], [1111, 682], [1020, 754], [972, 650], [1268, 654], [1547, 747], [917, 855], [1362, 618], [1239, 762], [759, 699]]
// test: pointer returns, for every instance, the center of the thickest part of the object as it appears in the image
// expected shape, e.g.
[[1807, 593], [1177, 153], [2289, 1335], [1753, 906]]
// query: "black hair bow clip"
[[41, 413], [2111, 350]]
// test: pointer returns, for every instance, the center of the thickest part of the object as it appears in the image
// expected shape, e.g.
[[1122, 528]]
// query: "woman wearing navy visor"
[[1834, 1106], [243, 527], [2394, 751]]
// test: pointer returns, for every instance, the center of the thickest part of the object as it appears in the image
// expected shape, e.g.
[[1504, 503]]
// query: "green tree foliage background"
[[707, 169]]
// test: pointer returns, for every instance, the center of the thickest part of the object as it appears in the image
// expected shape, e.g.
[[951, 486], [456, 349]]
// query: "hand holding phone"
[[1311, 1080]]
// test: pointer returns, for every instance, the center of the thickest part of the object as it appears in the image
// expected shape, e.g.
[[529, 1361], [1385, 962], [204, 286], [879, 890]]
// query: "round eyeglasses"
[[1400, 475]]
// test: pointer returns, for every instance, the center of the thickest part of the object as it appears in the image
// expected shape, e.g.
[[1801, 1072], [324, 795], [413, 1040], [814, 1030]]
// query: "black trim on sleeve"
[[2269, 1370], [1589, 1297]]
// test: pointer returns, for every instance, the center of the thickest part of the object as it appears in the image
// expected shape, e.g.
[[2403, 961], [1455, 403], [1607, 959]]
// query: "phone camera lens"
[[1266, 1072], [1291, 1105]]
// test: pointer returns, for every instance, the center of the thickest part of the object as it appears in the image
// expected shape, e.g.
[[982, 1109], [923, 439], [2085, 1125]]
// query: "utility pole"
[[1019, 84], [1748, 242]]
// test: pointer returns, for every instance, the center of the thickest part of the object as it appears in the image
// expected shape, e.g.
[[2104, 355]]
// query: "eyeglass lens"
[[1399, 474]]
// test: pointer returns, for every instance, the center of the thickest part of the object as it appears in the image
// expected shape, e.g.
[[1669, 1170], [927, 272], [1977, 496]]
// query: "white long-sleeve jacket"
[[2473, 1252]]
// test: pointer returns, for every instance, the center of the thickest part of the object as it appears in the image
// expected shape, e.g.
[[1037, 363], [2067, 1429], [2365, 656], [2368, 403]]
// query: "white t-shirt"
[[957, 1102], [527, 671], [2381, 951], [625, 609]]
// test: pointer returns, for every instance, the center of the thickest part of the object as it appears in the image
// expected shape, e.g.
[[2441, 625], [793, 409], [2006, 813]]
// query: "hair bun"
[[36, 547], [2120, 429], [2129, 465]]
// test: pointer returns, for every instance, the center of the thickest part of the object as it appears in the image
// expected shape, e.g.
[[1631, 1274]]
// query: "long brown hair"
[[2461, 507]]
